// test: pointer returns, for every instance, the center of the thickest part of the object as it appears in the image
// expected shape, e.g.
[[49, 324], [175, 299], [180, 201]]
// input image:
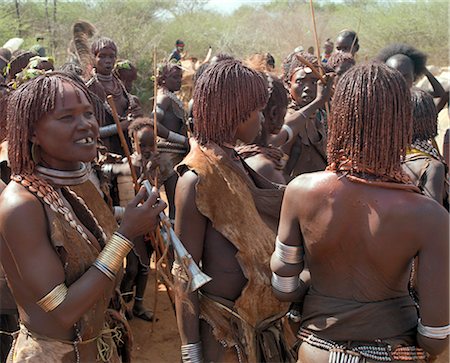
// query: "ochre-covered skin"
[[361, 225], [239, 224]]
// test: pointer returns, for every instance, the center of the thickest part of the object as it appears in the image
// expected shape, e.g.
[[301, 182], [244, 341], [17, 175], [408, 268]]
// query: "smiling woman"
[[60, 258]]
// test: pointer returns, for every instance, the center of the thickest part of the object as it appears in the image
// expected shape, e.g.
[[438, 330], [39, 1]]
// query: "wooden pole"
[[123, 142], [319, 60], [155, 119], [316, 38]]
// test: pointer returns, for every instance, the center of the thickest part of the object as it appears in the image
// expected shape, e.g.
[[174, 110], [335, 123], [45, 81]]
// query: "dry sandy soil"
[[156, 342], [162, 344]]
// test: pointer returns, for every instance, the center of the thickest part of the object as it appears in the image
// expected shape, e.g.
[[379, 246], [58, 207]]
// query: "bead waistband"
[[381, 352]]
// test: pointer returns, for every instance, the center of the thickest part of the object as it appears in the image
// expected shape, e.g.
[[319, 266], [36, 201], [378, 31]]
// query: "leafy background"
[[277, 27]]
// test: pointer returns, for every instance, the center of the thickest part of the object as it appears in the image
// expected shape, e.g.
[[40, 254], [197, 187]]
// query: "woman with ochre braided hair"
[[358, 227], [61, 260]]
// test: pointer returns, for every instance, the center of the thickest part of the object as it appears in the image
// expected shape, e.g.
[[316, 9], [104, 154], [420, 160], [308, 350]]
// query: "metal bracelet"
[[288, 254], [289, 131], [54, 298], [176, 138], [104, 269], [109, 130], [110, 259], [192, 353], [118, 212], [285, 284], [439, 332]]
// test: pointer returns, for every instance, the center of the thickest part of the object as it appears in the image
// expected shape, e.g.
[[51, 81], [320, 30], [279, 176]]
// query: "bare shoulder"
[[432, 216], [185, 189], [313, 183], [19, 208], [187, 181], [163, 101], [261, 165]]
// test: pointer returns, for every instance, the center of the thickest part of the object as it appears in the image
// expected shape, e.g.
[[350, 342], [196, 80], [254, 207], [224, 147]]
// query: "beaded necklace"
[[179, 107], [102, 78], [425, 147], [45, 192]]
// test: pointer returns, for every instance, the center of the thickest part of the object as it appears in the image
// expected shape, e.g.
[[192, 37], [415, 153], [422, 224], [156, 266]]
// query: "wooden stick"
[[315, 34], [319, 60], [123, 142], [155, 119], [310, 65]]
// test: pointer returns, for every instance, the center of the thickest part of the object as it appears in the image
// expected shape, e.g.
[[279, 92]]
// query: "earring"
[[35, 153]]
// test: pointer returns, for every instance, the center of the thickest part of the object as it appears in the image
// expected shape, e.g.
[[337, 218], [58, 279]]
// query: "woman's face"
[[249, 129], [67, 135], [173, 80], [303, 86], [104, 61]]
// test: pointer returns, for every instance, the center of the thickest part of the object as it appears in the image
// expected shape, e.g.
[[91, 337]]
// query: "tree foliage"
[[277, 27]]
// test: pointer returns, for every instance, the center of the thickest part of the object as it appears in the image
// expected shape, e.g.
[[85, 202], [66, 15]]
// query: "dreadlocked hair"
[[291, 64], [3, 103], [199, 72], [224, 97], [370, 123], [418, 58], [164, 71], [101, 43], [424, 115], [28, 105], [337, 59]]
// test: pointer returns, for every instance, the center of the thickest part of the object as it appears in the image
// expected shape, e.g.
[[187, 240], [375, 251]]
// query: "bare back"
[[357, 235], [360, 241]]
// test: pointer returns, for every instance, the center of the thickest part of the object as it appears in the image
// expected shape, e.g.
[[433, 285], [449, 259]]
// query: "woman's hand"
[[325, 90], [140, 219]]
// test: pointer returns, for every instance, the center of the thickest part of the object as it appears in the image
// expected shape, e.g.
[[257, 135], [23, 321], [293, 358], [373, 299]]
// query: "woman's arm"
[[287, 260], [24, 230], [190, 226], [295, 121], [433, 274]]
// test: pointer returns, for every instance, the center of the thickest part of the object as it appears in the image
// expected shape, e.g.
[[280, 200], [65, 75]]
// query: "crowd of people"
[[314, 200]]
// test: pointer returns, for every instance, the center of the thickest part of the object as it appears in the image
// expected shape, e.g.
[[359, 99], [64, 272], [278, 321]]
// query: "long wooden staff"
[[123, 142], [316, 38], [155, 119], [160, 249]]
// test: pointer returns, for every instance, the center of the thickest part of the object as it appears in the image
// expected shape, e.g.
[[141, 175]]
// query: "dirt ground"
[[162, 344], [157, 342]]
